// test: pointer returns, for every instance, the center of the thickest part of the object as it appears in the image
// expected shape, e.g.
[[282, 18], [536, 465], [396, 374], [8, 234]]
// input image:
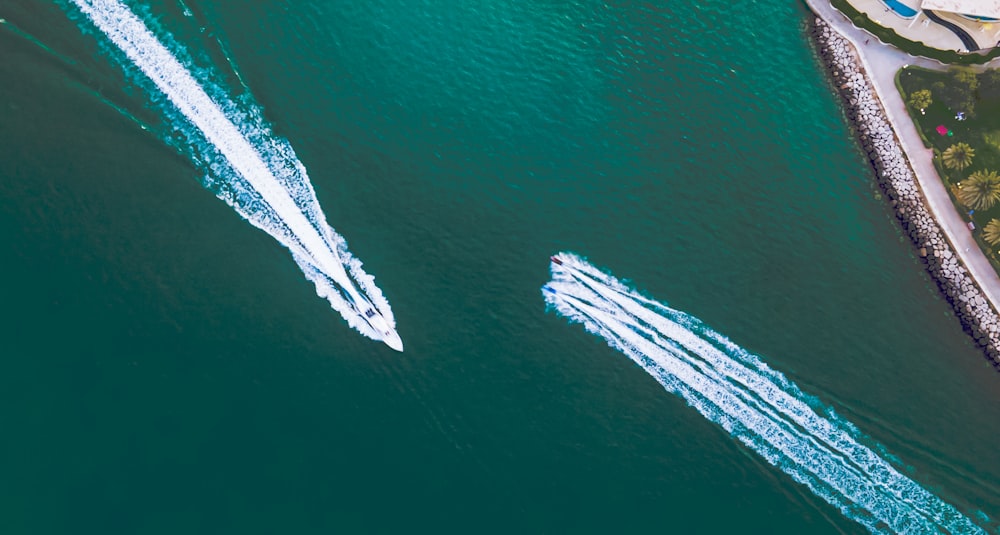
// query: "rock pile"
[[897, 179]]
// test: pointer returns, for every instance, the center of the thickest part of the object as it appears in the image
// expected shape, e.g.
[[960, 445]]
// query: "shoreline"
[[896, 178]]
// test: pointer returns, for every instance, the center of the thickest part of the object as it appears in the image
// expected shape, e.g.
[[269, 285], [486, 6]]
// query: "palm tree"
[[991, 232], [981, 190], [958, 156]]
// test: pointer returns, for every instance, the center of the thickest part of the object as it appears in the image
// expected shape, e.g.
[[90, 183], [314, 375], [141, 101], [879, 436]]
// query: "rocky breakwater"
[[897, 180]]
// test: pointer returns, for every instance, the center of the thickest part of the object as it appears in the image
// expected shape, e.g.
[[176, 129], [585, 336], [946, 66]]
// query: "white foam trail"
[[262, 177], [757, 405]]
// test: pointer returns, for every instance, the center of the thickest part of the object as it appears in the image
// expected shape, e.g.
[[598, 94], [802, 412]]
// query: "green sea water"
[[168, 369]]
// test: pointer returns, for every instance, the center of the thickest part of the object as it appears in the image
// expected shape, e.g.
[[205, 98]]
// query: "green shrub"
[[992, 138]]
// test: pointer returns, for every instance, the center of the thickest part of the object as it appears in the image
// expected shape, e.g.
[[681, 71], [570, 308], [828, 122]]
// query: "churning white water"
[[259, 174], [755, 404]]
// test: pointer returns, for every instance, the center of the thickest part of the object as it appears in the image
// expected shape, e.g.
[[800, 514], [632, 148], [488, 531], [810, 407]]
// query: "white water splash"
[[254, 171], [757, 405]]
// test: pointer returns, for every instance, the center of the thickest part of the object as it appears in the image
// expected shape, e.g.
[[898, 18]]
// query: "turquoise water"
[[900, 8], [979, 19], [169, 369]]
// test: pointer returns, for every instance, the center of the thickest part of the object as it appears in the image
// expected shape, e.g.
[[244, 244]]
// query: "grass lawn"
[[982, 133]]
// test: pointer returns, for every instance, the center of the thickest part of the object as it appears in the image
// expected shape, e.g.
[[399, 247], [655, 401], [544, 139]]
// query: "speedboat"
[[344, 283], [389, 335]]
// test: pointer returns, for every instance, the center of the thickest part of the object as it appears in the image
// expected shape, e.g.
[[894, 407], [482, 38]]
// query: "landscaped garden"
[[958, 115]]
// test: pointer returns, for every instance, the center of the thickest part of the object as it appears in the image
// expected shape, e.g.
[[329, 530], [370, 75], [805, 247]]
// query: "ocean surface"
[[168, 368]]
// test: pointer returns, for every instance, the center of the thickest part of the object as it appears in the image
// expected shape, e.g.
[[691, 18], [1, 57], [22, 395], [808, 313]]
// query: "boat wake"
[[758, 406], [253, 170]]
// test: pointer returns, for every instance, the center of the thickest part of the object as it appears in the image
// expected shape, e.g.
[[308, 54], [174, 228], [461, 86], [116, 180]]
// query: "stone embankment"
[[897, 180]]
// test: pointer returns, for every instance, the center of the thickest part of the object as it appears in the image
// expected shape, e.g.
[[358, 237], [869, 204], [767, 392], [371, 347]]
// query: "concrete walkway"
[[931, 27], [968, 42], [881, 62]]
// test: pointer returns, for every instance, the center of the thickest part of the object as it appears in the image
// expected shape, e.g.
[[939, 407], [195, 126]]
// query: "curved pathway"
[[881, 62], [967, 40]]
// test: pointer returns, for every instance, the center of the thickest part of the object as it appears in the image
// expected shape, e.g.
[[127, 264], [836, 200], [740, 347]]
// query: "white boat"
[[364, 308], [389, 335]]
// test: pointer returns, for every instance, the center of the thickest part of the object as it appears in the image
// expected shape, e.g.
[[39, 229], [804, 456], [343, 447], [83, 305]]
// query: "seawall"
[[898, 182]]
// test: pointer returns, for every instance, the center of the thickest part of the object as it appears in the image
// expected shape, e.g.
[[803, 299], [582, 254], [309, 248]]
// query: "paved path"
[[881, 62], [922, 28], [967, 40]]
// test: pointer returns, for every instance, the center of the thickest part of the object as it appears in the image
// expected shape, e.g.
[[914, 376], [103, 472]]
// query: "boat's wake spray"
[[757, 405], [254, 171]]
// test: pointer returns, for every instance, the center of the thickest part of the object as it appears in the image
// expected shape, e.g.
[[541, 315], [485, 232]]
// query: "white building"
[[989, 9]]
